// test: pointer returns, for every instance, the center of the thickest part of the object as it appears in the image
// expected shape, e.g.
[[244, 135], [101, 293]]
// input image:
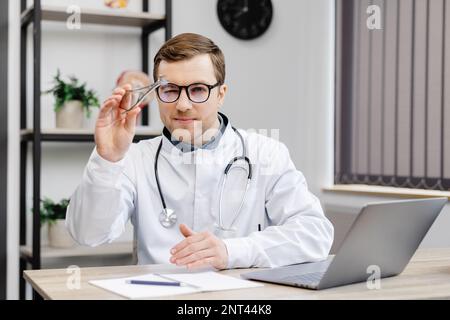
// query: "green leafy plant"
[[51, 211], [72, 90]]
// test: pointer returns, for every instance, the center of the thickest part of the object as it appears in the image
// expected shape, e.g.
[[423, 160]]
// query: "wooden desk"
[[426, 277]]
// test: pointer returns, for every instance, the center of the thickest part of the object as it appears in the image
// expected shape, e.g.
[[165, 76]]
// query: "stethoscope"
[[168, 217]]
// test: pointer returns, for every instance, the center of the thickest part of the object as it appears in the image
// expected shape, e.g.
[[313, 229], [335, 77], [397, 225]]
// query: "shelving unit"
[[31, 255]]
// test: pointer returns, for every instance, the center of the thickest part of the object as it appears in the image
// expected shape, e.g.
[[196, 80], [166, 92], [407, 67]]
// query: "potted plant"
[[54, 214], [71, 98]]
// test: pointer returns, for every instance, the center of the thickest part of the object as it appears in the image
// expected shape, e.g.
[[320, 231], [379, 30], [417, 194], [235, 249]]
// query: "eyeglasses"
[[196, 92]]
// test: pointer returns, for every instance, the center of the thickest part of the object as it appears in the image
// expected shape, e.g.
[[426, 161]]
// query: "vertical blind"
[[392, 124]]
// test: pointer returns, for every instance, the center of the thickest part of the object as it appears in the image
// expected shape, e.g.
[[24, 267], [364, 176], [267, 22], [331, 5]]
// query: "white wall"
[[13, 154]]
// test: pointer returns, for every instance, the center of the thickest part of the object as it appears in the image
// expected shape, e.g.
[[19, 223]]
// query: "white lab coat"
[[294, 228]]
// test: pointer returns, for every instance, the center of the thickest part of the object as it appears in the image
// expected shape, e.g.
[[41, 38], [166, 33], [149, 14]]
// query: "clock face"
[[245, 19]]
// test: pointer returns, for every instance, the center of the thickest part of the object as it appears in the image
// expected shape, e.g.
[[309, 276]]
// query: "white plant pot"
[[70, 116], [58, 236]]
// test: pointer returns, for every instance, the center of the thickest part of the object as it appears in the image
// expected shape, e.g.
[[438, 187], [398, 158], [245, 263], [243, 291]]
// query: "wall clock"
[[245, 19]]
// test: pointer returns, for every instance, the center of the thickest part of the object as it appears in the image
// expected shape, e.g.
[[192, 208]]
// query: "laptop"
[[383, 238]]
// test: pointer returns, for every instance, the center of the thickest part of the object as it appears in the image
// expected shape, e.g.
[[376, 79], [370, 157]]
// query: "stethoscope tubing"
[[227, 169]]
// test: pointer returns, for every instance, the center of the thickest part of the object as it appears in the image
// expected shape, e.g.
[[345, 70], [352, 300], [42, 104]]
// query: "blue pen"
[[154, 283]]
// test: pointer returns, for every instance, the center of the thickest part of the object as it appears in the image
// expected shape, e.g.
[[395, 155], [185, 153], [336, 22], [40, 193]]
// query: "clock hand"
[[239, 13], [243, 10]]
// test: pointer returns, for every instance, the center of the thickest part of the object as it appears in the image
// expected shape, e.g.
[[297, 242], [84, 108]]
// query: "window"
[[392, 125]]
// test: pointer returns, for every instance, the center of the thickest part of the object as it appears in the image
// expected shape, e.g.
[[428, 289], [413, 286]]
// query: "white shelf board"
[[111, 249], [114, 17]]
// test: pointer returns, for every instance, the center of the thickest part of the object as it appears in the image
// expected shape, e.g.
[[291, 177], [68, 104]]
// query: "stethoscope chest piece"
[[168, 218]]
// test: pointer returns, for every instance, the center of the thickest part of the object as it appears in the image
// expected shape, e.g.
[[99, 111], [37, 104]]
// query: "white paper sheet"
[[194, 282]]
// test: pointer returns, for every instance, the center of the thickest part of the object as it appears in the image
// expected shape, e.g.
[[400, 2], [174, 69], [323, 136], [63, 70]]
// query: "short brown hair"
[[188, 45]]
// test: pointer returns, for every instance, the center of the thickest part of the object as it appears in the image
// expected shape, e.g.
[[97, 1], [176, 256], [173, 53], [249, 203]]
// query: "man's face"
[[183, 114]]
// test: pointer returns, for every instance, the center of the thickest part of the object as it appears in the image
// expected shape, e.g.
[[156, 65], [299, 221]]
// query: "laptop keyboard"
[[307, 279]]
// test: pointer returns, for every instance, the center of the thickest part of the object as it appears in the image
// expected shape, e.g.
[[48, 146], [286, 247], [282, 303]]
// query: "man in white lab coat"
[[274, 221]]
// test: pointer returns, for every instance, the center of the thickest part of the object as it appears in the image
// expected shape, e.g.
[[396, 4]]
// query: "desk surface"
[[427, 276]]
